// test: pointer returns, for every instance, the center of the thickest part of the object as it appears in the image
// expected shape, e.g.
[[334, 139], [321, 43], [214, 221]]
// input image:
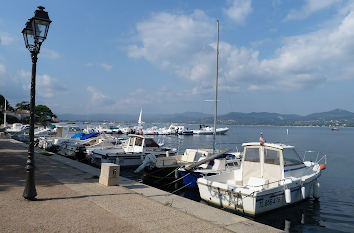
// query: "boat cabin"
[[268, 164], [140, 144], [67, 130]]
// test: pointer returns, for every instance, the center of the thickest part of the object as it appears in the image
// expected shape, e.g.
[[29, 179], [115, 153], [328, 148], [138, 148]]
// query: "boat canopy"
[[90, 135], [267, 162]]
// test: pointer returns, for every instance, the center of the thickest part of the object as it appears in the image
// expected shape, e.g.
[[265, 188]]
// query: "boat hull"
[[252, 204]]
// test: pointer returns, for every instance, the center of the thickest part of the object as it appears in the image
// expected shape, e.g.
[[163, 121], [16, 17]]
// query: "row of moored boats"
[[262, 177]]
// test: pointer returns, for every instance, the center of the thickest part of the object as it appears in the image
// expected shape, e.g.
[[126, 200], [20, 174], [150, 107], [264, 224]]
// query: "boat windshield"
[[291, 157], [252, 154], [149, 142], [138, 141], [271, 156]]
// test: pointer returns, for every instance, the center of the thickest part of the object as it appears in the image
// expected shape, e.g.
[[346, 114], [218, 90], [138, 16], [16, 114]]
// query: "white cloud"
[[46, 86], [310, 7], [6, 38], [238, 10], [98, 98], [103, 65], [178, 43], [2, 68], [106, 66], [48, 53], [152, 99], [185, 45]]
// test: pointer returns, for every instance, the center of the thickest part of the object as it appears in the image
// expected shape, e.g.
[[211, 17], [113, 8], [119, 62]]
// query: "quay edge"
[[208, 214]]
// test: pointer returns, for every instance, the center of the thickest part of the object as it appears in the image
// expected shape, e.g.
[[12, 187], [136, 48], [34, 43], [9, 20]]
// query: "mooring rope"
[[181, 188], [156, 181], [175, 180]]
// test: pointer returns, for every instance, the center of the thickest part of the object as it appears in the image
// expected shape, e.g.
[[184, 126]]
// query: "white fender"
[[287, 195], [316, 190], [303, 192]]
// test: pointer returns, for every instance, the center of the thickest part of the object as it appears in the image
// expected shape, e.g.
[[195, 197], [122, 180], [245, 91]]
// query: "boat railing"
[[314, 156]]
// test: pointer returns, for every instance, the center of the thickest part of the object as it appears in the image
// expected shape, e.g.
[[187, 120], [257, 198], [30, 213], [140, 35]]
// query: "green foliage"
[[9, 119], [24, 105], [43, 114], [8, 106]]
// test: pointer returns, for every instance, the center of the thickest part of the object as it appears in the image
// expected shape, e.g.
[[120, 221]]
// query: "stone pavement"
[[71, 200]]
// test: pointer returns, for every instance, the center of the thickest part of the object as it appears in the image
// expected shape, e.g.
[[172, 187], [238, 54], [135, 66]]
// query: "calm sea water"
[[334, 212]]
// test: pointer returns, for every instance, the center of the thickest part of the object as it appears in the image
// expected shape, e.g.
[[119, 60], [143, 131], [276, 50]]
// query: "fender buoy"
[[303, 192], [322, 166], [316, 190], [287, 196]]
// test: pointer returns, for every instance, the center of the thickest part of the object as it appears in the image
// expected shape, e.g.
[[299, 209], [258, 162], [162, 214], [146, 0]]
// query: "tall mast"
[[216, 87], [5, 113]]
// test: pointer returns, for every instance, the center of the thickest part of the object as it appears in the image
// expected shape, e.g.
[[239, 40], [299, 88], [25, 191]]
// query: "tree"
[[9, 119], [8, 106], [24, 105], [43, 114]]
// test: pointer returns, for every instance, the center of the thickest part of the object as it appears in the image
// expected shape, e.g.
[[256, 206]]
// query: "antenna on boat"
[[216, 87]]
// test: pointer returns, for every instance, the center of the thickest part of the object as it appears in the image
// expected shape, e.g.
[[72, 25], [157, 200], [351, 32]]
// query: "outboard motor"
[[150, 160]]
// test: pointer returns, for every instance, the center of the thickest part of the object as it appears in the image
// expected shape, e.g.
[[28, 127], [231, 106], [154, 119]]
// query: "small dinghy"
[[271, 176]]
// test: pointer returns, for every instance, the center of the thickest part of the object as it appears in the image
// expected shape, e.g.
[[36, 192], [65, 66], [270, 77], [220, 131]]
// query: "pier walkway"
[[71, 200]]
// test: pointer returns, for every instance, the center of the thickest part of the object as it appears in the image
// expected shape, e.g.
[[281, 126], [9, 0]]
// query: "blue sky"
[[118, 56]]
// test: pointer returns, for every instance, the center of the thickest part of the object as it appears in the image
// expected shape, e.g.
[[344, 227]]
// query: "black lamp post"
[[34, 34]]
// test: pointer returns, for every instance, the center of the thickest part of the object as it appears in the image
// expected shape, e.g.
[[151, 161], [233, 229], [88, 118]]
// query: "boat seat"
[[191, 155], [258, 183], [234, 182]]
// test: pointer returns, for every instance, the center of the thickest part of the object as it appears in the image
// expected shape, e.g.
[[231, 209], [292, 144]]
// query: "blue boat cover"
[[78, 135], [90, 135]]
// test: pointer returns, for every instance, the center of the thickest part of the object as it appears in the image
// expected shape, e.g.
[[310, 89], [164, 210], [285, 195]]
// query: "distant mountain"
[[336, 114], [338, 117], [178, 117], [258, 118]]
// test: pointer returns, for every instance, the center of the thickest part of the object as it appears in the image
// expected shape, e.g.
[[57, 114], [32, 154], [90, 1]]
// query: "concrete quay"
[[70, 199]]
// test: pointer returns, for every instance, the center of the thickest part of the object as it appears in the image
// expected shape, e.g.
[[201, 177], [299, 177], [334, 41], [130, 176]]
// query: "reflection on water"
[[299, 217]]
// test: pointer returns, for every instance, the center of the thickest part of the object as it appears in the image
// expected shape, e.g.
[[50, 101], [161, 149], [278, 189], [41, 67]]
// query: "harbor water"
[[334, 211]]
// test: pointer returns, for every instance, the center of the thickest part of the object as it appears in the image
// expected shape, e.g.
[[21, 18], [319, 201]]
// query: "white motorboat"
[[17, 127], [179, 129], [188, 157], [150, 131], [133, 152], [191, 165], [206, 130], [225, 162], [271, 176]]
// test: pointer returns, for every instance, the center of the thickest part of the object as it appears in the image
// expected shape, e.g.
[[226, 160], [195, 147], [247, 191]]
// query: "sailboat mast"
[[216, 87], [5, 113], [140, 117]]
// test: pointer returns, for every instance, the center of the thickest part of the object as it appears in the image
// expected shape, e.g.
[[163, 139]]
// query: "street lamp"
[[34, 33]]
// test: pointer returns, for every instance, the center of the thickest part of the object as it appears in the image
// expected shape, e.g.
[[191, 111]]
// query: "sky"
[[117, 56]]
